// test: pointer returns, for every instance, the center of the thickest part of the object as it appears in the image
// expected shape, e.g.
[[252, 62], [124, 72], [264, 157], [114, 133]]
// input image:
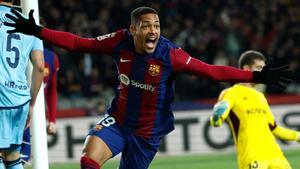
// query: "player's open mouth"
[[150, 42]]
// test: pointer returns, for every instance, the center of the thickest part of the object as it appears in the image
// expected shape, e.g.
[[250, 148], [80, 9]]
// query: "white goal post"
[[38, 123]]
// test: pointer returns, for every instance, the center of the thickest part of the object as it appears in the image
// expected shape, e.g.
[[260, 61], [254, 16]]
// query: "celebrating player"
[[16, 97], [252, 122], [140, 114]]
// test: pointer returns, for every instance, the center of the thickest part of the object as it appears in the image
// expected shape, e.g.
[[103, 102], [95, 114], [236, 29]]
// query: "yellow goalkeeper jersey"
[[252, 122]]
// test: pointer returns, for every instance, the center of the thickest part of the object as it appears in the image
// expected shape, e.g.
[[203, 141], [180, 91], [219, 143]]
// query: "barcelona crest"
[[46, 71], [154, 70], [98, 127]]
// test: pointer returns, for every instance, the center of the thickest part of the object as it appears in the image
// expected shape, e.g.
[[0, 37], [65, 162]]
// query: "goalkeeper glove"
[[280, 76], [23, 25], [219, 109], [215, 120]]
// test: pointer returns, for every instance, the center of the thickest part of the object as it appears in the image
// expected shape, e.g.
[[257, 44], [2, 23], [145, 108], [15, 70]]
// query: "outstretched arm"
[[183, 62], [286, 134], [76, 43], [66, 40], [281, 132]]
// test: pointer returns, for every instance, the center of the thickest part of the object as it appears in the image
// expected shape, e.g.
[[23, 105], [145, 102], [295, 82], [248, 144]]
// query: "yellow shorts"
[[276, 163]]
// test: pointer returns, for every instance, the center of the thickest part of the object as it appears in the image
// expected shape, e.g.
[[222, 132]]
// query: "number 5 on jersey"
[[12, 62]]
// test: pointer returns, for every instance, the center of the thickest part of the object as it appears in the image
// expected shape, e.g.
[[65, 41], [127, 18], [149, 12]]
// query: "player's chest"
[[142, 68], [251, 106]]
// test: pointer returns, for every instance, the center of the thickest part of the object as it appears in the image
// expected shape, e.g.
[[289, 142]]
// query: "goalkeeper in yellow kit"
[[252, 122]]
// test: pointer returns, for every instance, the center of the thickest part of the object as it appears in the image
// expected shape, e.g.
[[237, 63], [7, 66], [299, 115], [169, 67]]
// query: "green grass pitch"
[[222, 161]]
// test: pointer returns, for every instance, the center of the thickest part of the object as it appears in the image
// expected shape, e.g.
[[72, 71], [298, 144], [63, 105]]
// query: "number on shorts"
[[108, 121], [254, 165]]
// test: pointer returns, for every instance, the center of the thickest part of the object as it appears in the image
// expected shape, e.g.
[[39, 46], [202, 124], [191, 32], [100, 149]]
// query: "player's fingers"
[[215, 117], [51, 131], [9, 24], [9, 16], [281, 86], [15, 12], [31, 14], [284, 68], [285, 80], [287, 73], [48, 130], [12, 31]]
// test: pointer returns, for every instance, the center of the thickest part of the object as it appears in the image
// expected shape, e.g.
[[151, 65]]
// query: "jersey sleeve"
[[51, 99], [226, 98], [278, 131], [183, 62], [102, 44], [37, 44], [286, 134]]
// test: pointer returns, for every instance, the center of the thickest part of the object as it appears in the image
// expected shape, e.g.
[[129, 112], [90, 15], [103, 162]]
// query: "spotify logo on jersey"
[[124, 79]]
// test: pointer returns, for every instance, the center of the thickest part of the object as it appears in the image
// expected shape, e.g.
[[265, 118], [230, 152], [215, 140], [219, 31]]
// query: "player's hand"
[[279, 76], [23, 25], [51, 129], [215, 120], [29, 117]]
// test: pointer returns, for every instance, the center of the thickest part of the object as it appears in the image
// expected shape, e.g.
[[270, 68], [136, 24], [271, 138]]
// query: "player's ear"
[[132, 29], [247, 67]]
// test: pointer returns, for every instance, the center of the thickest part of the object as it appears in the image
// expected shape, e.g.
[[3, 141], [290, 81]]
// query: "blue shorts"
[[26, 147], [137, 152], [12, 125]]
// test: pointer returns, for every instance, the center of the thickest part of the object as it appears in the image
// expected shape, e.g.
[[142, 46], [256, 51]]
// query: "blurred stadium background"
[[214, 31]]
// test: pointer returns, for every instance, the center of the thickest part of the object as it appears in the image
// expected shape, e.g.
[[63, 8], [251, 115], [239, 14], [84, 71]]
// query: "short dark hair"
[[137, 12], [248, 57]]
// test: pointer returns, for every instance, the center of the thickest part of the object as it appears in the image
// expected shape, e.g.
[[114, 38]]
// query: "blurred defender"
[[50, 89], [252, 122], [140, 114], [16, 98]]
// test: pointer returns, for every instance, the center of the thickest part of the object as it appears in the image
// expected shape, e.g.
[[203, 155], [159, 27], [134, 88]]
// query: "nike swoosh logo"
[[124, 60]]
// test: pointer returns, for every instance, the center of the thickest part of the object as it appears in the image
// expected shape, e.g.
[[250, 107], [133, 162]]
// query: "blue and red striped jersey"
[[146, 89], [50, 89], [145, 93]]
